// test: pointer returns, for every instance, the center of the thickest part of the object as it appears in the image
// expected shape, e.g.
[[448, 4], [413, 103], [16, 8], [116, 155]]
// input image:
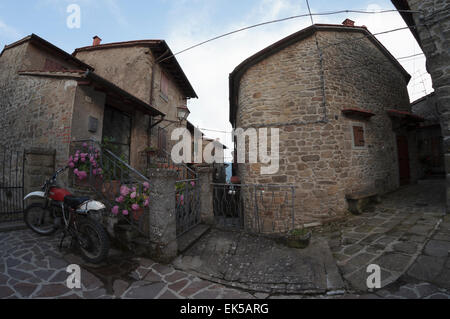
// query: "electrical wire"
[[282, 20]]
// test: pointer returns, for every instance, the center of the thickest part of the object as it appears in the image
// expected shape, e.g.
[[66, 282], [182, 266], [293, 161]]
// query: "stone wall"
[[433, 28], [36, 111], [317, 155]]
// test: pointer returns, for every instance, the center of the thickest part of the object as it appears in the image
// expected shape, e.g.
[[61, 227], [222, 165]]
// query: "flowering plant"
[[85, 159], [181, 190], [132, 199]]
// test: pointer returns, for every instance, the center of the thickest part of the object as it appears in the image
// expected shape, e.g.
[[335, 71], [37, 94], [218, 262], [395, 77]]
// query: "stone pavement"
[[407, 235], [259, 264], [33, 267]]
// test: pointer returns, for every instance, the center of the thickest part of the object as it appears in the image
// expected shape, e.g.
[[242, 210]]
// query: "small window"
[[358, 136], [164, 85]]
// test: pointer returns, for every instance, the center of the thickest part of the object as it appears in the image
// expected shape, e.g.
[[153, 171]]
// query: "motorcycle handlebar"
[[53, 178]]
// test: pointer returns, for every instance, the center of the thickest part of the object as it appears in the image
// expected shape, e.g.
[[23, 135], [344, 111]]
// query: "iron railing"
[[11, 185], [263, 209], [187, 205]]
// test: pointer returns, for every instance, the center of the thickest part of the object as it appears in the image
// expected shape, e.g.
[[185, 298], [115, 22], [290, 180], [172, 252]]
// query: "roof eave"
[[35, 39], [187, 87]]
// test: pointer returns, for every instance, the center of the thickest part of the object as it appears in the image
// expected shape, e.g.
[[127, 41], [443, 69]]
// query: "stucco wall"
[[88, 103], [316, 151]]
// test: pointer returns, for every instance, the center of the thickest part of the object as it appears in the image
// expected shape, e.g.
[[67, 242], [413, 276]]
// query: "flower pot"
[[152, 153], [299, 240], [235, 180], [137, 214], [111, 189]]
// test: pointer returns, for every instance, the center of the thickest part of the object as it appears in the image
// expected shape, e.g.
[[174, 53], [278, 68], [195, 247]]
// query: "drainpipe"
[[150, 125]]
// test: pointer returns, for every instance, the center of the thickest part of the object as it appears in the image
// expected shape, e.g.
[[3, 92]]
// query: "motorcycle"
[[58, 209]]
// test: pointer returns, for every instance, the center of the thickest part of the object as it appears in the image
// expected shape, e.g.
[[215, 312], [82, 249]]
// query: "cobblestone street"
[[408, 235], [33, 267]]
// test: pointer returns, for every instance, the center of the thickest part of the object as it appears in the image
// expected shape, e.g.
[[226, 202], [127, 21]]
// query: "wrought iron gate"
[[255, 208], [187, 205], [11, 185]]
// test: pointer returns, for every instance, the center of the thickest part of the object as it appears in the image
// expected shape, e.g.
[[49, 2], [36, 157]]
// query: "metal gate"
[[187, 205], [11, 185], [264, 209]]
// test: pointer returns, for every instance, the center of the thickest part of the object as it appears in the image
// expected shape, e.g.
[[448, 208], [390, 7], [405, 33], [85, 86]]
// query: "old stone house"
[[49, 98], [147, 70], [429, 22], [340, 101]]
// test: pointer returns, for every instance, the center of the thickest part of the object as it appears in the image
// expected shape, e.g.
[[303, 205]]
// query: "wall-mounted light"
[[183, 113]]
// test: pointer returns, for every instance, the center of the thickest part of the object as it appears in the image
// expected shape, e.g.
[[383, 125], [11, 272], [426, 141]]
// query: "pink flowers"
[[132, 199], [124, 191], [84, 162], [115, 210]]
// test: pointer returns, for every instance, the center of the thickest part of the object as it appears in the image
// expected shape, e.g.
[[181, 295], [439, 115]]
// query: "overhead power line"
[[282, 20], [410, 56]]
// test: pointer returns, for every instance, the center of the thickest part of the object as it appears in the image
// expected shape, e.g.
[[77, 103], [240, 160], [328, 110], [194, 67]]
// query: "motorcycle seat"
[[75, 202]]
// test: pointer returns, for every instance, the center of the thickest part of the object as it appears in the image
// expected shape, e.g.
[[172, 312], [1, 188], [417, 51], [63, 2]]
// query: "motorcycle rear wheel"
[[93, 241], [40, 219]]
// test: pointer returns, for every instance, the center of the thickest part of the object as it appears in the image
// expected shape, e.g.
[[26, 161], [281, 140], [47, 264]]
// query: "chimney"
[[97, 41], [349, 23]]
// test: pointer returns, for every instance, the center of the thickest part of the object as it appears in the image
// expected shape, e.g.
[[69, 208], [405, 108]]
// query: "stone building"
[[49, 98], [147, 70], [429, 137], [340, 101], [430, 24]]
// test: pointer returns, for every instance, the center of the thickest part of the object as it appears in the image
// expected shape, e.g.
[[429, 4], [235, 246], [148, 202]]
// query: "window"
[[358, 136], [164, 86]]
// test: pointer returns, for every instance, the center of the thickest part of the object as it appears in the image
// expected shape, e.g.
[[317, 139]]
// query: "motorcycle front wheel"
[[93, 241], [40, 219]]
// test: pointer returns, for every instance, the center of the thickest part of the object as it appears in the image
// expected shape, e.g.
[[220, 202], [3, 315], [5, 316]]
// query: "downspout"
[[150, 124]]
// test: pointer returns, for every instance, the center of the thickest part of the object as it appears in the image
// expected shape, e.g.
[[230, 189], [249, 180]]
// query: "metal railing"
[[187, 196], [107, 176], [11, 185], [263, 209]]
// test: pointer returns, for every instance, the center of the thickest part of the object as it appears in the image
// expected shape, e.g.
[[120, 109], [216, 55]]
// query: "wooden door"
[[403, 160]]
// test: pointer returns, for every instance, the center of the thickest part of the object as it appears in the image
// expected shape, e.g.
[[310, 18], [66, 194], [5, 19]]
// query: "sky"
[[183, 23]]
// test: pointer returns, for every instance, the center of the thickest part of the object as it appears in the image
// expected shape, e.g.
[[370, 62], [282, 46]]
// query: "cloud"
[[9, 32]]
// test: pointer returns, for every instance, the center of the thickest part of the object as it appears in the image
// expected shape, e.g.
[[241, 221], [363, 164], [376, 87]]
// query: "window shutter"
[[358, 135], [164, 84]]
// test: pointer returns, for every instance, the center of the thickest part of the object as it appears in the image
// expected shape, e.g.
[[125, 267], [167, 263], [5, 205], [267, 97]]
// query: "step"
[[12, 226], [191, 237]]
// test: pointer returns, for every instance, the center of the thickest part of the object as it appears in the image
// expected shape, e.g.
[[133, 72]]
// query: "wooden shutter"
[[358, 136], [164, 84]]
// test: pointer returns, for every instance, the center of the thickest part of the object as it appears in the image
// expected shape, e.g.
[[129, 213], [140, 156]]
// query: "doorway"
[[403, 160], [117, 132]]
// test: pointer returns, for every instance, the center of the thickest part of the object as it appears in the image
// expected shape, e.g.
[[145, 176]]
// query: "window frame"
[[164, 86], [352, 129]]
